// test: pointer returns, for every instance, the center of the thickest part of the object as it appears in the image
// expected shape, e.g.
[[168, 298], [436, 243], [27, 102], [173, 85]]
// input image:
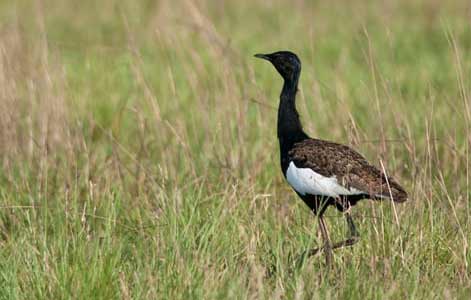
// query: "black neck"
[[290, 129]]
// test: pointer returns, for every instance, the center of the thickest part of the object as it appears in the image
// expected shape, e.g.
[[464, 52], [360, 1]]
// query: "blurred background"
[[139, 156]]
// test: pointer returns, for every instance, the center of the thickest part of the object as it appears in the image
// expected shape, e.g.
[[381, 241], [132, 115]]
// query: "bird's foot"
[[347, 243], [312, 252], [327, 249]]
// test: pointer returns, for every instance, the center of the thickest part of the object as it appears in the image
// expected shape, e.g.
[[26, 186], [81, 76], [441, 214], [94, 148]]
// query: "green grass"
[[139, 158]]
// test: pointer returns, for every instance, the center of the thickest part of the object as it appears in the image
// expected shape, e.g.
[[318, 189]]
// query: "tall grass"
[[139, 156]]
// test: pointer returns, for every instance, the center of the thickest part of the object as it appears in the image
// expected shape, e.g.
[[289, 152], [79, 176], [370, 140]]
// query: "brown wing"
[[351, 168]]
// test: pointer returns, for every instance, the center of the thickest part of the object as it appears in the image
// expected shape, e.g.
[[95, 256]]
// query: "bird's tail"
[[392, 190], [388, 188]]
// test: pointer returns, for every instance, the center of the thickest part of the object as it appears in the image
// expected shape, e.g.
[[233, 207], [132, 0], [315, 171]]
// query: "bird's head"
[[286, 63]]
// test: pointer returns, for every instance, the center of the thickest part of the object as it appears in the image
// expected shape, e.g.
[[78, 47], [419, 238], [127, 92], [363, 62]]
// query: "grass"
[[139, 157]]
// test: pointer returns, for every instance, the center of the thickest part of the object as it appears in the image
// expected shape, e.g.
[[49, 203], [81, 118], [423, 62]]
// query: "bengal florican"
[[323, 173]]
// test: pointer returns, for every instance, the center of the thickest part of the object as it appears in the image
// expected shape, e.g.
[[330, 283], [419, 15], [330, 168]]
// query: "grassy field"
[[139, 159]]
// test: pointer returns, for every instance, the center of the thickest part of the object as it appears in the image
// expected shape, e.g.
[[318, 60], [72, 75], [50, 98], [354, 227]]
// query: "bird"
[[321, 172]]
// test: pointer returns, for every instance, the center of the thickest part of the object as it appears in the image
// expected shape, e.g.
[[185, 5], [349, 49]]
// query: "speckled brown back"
[[349, 167]]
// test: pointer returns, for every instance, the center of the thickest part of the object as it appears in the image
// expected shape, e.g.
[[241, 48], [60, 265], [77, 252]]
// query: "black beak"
[[263, 56]]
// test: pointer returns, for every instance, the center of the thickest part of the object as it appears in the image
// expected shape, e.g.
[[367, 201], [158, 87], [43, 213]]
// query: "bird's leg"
[[327, 245], [352, 238], [353, 235], [319, 211]]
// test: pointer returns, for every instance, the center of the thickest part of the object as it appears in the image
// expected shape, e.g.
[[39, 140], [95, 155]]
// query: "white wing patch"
[[306, 181]]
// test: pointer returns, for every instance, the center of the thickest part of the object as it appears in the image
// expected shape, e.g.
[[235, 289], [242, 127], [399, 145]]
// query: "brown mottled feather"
[[350, 168]]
